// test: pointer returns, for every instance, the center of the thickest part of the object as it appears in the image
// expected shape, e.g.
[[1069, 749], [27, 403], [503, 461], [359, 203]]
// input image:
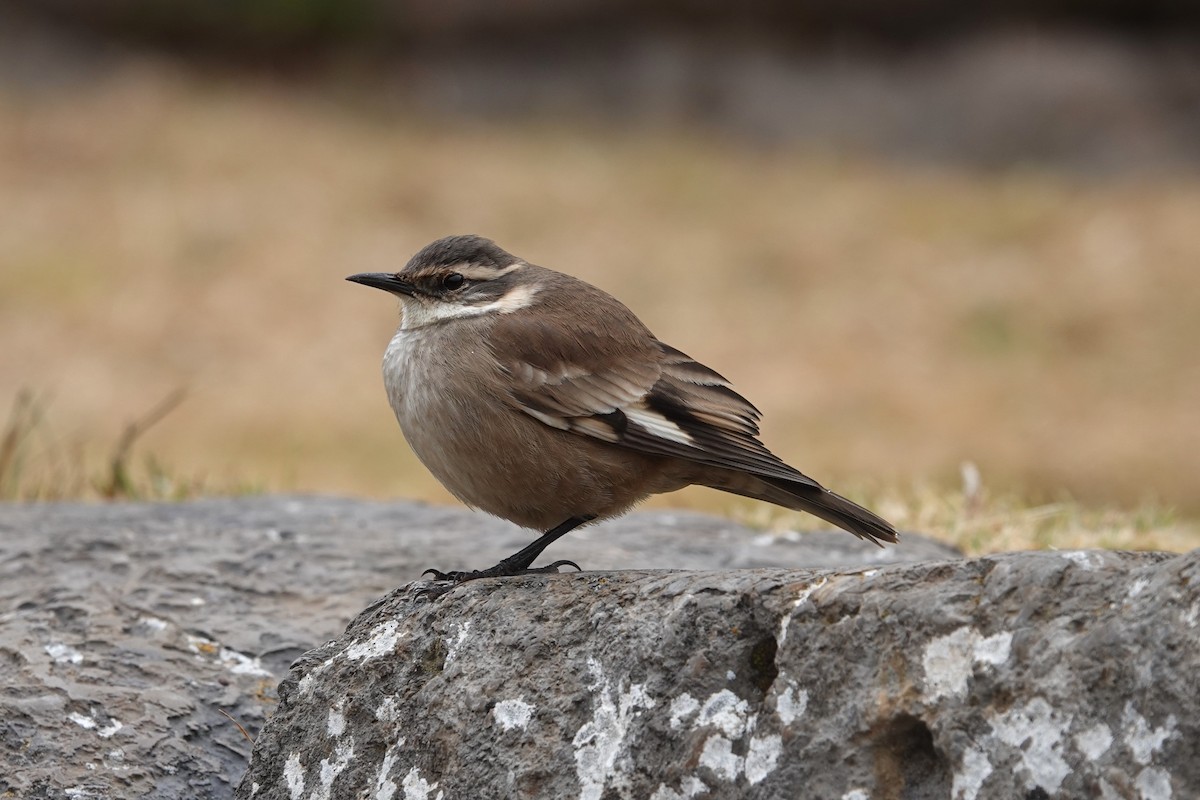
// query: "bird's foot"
[[504, 569]]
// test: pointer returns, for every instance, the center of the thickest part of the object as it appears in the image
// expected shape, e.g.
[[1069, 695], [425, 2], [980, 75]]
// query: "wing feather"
[[622, 386]]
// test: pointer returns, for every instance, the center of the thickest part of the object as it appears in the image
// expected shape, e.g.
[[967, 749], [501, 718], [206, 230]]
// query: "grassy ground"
[[166, 232]]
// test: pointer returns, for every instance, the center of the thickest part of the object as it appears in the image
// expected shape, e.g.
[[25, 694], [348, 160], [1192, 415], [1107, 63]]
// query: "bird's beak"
[[384, 280]]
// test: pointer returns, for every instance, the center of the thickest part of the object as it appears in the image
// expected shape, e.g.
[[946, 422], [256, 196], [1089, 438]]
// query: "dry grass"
[[166, 231], [980, 521]]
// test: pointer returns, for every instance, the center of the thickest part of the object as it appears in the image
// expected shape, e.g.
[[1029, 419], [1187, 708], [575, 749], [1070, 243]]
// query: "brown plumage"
[[543, 400]]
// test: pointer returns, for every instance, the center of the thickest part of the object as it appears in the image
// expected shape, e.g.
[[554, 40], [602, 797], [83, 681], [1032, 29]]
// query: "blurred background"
[[915, 234]]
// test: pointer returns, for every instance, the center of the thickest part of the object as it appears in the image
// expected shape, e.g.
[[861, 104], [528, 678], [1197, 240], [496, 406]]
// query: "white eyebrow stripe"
[[514, 299], [482, 273], [657, 425], [419, 313]]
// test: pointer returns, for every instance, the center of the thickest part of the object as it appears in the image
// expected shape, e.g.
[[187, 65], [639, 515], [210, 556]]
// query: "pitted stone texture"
[[1016, 676], [127, 629]]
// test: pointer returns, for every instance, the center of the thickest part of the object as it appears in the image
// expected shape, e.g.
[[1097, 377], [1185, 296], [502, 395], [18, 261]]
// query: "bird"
[[538, 398]]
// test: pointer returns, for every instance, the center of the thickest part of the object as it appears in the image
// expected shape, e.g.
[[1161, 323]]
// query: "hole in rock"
[[907, 765], [763, 671]]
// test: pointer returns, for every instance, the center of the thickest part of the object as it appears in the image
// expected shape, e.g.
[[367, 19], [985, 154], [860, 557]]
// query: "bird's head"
[[457, 277]]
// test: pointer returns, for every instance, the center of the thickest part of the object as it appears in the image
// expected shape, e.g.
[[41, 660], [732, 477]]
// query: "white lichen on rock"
[[950, 660], [600, 742], [1037, 731], [511, 714]]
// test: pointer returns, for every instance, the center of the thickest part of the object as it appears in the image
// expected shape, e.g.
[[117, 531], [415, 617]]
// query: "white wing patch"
[[657, 425], [548, 419]]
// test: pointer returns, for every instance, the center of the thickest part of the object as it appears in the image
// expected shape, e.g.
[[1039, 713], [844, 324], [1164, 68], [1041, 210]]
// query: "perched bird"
[[543, 400]]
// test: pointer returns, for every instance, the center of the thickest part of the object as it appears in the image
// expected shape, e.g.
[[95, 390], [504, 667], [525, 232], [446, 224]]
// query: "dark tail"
[[815, 500]]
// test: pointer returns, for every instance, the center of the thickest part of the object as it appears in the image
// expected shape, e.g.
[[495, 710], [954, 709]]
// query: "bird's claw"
[[554, 567], [451, 577], [501, 570]]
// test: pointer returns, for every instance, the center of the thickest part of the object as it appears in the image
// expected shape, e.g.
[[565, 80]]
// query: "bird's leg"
[[519, 562]]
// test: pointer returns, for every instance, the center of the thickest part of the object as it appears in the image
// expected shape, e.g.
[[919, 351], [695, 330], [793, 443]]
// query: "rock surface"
[[126, 630], [1025, 675]]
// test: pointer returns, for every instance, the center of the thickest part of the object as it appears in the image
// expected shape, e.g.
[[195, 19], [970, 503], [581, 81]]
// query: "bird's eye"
[[453, 281]]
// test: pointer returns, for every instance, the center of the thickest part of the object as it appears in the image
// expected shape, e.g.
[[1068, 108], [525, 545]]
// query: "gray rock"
[[1026, 675], [126, 630]]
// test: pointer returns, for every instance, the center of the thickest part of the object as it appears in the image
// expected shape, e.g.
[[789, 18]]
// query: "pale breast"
[[452, 407], [410, 374], [449, 405]]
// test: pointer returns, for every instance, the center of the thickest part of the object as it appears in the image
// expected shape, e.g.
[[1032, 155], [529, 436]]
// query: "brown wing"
[[619, 384], [721, 426]]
